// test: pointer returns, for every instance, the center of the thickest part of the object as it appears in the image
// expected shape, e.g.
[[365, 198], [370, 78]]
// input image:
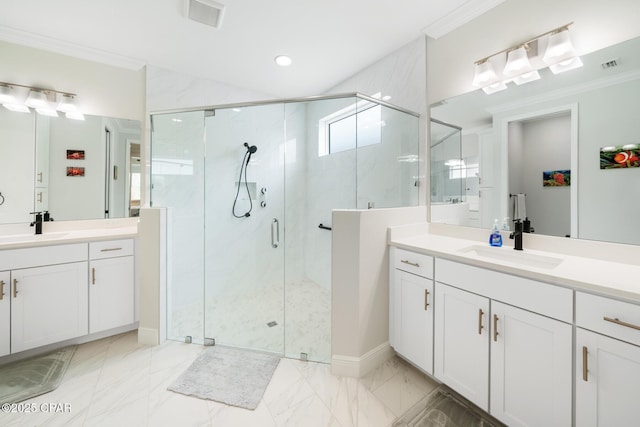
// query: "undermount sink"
[[512, 256], [19, 238]]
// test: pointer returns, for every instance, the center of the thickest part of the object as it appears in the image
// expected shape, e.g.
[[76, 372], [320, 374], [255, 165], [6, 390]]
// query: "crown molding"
[[459, 16], [37, 41]]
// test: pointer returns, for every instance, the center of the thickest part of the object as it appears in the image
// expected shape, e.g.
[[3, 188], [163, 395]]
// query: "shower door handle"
[[275, 233]]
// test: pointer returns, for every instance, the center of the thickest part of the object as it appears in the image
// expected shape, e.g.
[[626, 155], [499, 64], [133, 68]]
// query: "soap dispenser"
[[495, 239]]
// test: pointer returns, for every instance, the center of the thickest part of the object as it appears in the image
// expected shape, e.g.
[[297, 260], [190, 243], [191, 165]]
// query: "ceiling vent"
[[609, 64], [206, 12]]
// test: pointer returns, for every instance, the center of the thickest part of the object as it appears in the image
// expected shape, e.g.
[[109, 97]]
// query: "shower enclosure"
[[261, 278]]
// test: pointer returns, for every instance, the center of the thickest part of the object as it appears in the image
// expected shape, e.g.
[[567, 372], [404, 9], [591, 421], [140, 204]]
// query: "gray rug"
[[235, 377], [32, 377]]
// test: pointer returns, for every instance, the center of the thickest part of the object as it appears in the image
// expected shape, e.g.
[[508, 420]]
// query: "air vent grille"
[[206, 12], [609, 64]]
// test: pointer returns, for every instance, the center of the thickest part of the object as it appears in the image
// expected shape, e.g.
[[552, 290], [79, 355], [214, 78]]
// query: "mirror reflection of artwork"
[[558, 178], [75, 171], [624, 156], [75, 154]]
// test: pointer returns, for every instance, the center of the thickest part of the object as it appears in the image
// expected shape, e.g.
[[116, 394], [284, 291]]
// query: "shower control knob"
[[263, 190], [263, 204]]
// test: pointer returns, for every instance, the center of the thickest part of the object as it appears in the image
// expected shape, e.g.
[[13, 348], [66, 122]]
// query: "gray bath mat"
[[235, 377], [32, 377]]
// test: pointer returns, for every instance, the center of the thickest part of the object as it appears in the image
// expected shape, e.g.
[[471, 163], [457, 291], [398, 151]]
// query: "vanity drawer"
[[607, 316], [539, 297], [14, 259], [110, 248], [413, 262]]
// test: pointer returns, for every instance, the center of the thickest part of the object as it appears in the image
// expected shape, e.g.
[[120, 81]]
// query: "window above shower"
[[355, 126]]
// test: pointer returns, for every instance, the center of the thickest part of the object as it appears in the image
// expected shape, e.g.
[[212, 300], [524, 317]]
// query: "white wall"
[[360, 286], [597, 24], [547, 147]]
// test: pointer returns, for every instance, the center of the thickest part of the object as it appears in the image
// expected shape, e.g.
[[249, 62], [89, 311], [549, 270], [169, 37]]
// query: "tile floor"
[[116, 382]]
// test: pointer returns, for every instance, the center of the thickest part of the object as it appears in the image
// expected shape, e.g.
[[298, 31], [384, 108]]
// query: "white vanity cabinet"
[[607, 361], [505, 343], [111, 284], [411, 307], [461, 357], [49, 298], [5, 313]]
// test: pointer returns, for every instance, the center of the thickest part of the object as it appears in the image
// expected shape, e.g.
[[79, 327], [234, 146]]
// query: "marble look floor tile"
[[371, 412], [116, 382], [404, 390], [230, 416]]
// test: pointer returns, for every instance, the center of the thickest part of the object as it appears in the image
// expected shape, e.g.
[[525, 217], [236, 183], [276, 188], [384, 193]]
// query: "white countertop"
[[17, 241], [580, 273]]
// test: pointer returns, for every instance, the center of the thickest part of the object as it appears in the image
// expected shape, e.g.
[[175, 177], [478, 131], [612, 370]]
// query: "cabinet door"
[[531, 360], [5, 313], [111, 293], [49, 304], [607, 393], [462, 343], [414, 314]]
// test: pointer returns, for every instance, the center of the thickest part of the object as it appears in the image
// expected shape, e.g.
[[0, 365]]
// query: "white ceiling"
[[329, 40]]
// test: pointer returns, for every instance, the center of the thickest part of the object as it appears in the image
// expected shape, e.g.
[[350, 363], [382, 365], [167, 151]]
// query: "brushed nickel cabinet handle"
[[426, 301], [406, 261], [585, 369], [93, 276], [110, 249], [621, 323], [15, 288], [495, 327], [480, 326], [39, 176], [1, 290]]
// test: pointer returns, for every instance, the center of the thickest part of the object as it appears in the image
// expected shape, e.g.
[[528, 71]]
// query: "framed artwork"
[[75, 154], [557, 178], [75, 171], [620, 157]]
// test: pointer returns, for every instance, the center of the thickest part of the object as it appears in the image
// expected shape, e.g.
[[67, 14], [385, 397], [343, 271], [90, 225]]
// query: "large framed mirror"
[[75, 170], [542, 144]]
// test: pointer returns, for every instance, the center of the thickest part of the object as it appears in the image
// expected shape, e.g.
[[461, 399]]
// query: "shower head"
[[251, 149]]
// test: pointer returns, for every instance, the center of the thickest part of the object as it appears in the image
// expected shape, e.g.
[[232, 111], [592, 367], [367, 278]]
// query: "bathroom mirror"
[[74, 169], [516, 141]]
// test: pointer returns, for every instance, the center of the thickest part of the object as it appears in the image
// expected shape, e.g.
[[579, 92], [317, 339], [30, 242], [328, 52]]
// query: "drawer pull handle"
[[480, 326], [1, 290], [621, 323], [426, 296], [110, 249], [585, 368], [93, 276], [15, 288], [406, 261], [495, 327]]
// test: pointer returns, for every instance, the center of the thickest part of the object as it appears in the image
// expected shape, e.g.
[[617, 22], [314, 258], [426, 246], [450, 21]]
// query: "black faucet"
[[517, 235], [38, 222]]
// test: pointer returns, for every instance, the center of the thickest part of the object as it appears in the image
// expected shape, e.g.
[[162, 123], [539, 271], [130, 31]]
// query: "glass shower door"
[[177, 182], [244, 228]]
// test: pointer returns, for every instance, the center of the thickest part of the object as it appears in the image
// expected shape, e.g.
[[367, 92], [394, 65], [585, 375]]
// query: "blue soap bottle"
[[495, 239]]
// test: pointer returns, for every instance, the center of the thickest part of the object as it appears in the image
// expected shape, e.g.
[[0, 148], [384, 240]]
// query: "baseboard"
[[349, 366], [148, 336]]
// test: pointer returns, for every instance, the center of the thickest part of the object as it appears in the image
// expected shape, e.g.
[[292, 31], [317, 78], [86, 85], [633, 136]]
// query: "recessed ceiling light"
[[283, 60]]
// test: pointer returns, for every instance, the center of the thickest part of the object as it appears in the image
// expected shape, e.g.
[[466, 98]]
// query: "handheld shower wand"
[[245, 164]]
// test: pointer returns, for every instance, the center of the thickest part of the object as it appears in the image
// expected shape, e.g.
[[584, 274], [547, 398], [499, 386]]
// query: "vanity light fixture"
[[6, 94], [41, 100], [559, 56]]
